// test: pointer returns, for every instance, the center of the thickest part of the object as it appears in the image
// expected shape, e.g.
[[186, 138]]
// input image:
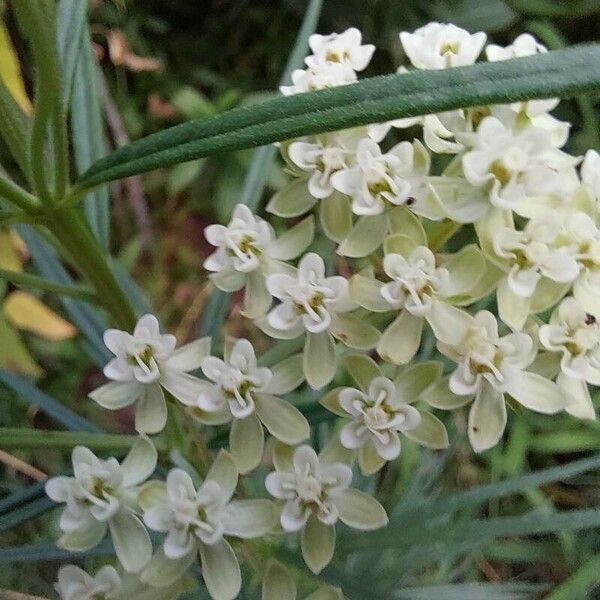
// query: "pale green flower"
[[196, 521], [489, 367], [101, 496], [317, 493], [75, 584], [319, 307], [381, 410], [248, 395], [247, 250], [575, 334], [146, 364]]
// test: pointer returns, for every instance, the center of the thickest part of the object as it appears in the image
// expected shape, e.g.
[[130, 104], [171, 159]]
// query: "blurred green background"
[[164, 62]]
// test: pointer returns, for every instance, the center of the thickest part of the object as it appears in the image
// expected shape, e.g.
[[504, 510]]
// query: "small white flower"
[[379, 179], [75, 584], [309, 299], [516, 165], [145, 364], [535, 252], [524, 45], [414, 281], [102, 495], [489, 366], [590, 173], [343, 47], [319, 77], [245, 392], [235, 381], [198, 519], [576, 335], [439, 46], [316, 495], [377, 415], [322, 157], [309, 489]]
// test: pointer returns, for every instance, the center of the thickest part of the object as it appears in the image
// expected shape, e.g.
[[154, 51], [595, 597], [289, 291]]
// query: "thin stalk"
[[76, 238], [16, 195], [39, 29], [33, 281]]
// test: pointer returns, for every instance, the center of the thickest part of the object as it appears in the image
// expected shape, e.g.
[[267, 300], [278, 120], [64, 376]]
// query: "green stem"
[[16, 195], [78, 241], [25, 439], [38, 26], [33, 281]]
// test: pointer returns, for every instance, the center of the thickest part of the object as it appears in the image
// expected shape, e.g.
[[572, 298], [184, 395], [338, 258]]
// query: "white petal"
[[83, 539], [319, 359], [287, 375], [580, 401], [365, 237], [487, 419], [151, 410], [220, 570], [282, 420], [278, 583], [140, 462], [189, 357], [430, 432], [257, 299], [536, 392], [116, 395], [224, 472], [360, 510], [246, 442], [162, 571], [448, 322], [402, 338], [248, 518], [294, 241], [131, 541], [317, 543], [184, 387]]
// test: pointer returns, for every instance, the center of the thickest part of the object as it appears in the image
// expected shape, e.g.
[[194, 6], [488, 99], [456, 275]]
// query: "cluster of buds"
[[396, 299]]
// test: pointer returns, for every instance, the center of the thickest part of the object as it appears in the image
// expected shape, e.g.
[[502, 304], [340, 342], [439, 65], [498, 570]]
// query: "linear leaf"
[[87, 135], [25, 513], [70, 25], [473, 591], [43, 552], [36, 490], [25, 439], [561, 73], [29, 394]]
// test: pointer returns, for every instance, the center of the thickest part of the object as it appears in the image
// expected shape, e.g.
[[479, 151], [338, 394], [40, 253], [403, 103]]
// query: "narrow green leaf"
[[561, 73], [580, 583], [70, 25], [44, 552], [25, 439], [552, 8], [473, 591], [19, 498], [87, 135], [15, 129], [25, 513], [34, 281], [28, 394]]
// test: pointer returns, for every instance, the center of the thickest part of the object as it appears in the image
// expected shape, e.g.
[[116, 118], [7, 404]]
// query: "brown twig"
[[20, 465]]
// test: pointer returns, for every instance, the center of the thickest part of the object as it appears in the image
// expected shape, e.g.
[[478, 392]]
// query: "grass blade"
[[25, 513], [43, 552], [70, 25], [87, 138], [473, 591], [29, 394], [27, 439], [19, 498], [33, 281], [558, 73]]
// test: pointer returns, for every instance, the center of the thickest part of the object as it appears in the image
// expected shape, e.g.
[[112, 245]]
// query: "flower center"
[[450, 47], [501, 172]]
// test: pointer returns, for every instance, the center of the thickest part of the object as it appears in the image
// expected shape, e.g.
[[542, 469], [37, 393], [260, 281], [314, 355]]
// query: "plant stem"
[[70, 229], [17, 195], [33, 281]]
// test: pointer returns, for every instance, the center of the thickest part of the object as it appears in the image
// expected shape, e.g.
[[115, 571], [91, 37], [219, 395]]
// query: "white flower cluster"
[[536, 253]]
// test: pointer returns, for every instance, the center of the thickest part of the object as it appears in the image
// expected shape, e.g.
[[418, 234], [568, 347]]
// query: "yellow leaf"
[[9, 255], [27, 312], [11, 71], [14, 355]]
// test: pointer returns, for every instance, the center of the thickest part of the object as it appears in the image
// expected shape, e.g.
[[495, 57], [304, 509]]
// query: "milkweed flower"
[[345, 47], [319, 307], [489, 366], [197, 520], [439, 46], [101, 496], [146, 364], [75, 584], [575, 335], [247, 250], [316, 495], [242, 392]]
